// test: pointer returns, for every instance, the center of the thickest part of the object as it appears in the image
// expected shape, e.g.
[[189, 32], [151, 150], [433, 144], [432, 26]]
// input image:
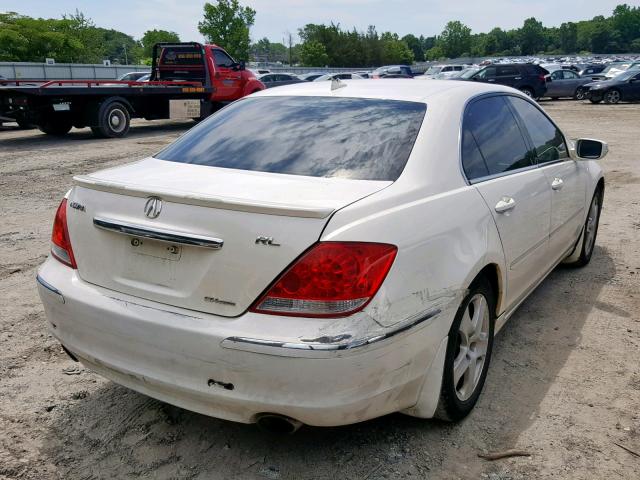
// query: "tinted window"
[[547, 139], [222, 59], [500, 143], [366, 139], [569, 75], [557, 75], [507, 71], [488, 72]]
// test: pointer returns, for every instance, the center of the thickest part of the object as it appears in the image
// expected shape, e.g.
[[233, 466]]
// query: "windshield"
[[357, 138], [616, 66], [467, 73]]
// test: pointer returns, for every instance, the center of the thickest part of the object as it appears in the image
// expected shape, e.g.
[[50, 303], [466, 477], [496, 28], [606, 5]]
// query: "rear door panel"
[[524, 230]]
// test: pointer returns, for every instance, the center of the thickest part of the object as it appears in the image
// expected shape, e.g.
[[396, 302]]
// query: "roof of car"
[[392, 89]]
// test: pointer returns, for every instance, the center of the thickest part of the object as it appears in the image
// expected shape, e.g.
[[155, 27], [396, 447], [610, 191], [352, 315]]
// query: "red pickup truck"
[[188, 80]]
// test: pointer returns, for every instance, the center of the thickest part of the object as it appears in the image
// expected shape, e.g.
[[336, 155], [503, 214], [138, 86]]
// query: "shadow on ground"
[[117, 433]]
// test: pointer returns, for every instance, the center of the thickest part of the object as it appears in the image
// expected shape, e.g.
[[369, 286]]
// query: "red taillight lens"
[[544, 78], [331, 279], [60, 243]]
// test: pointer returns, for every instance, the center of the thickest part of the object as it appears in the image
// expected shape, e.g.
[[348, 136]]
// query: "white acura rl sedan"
[[322, 253]]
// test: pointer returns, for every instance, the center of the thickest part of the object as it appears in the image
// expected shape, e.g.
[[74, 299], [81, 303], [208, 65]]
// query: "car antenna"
[[336, 84]]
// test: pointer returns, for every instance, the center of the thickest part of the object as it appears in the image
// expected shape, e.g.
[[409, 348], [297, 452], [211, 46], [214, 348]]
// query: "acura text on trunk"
[[322, 253]]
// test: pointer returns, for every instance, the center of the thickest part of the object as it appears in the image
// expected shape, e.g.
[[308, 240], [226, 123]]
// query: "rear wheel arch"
[[493, 275]]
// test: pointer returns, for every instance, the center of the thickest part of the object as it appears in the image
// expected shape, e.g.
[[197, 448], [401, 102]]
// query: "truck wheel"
[[114, 121], [55, 126]]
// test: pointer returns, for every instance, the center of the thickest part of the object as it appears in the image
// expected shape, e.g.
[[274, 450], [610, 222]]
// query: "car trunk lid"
[[262, 221]]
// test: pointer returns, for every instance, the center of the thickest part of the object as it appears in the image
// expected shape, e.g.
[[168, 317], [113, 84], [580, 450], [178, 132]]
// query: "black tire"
[[527, 91], [57, 126], [555, 98], [580, 94], [591, 224], [612, 96], [114, 121], [451, 407]]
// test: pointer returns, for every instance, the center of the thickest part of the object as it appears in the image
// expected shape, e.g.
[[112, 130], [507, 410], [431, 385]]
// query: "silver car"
[[566, 83]]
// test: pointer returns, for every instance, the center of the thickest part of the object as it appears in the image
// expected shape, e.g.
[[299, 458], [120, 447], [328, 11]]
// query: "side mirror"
[[589, 149], [242, 65]]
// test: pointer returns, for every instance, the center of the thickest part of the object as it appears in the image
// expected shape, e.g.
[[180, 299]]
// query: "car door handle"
[[518, 78], [557, 183], [505, 204], [491, 80]]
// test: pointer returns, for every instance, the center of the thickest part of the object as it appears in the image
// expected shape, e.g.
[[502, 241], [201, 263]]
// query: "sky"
[[275, 18]]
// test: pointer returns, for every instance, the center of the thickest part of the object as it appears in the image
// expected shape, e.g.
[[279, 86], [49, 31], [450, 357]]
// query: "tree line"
[[73, 39], [76, 39]]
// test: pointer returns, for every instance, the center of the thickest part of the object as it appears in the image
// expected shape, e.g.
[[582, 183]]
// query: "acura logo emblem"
[[153, 207]]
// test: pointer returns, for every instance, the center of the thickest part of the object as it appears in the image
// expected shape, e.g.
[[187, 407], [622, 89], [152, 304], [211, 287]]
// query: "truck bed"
[[103, 87]]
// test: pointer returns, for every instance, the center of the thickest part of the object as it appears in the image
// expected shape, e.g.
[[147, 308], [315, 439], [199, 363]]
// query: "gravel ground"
[[564, 383]]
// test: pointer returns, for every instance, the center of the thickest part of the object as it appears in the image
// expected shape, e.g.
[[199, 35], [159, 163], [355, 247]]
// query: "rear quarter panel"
[[443, 242]]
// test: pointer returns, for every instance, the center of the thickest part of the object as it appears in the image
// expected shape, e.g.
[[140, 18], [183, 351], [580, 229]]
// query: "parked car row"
[[613, 83]]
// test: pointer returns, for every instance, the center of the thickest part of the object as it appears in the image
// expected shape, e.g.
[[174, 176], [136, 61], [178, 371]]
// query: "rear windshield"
[[365, 139]]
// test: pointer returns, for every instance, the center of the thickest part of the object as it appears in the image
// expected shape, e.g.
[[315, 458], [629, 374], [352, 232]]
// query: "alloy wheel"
[[591, 225], [471, 347], [612, 96]]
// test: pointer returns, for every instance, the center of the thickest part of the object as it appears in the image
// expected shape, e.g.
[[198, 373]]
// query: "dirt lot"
[[564, 382]]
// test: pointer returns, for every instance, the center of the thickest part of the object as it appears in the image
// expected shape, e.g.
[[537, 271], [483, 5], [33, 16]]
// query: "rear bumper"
[[316, 371]]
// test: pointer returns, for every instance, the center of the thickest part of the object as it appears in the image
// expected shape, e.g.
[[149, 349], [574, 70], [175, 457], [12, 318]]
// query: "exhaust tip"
[[278, 424]]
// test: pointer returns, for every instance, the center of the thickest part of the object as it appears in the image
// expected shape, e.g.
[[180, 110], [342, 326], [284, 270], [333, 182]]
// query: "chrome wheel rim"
[[528, 93], [580, 94], [591, 226], [613, 96], [471, 347], [117, 120]]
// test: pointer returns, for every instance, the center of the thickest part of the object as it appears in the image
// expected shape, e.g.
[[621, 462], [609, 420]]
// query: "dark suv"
[[528, 78]]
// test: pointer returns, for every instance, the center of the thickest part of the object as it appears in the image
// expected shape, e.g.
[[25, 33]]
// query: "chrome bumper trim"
[[159, 234], [346, 341]]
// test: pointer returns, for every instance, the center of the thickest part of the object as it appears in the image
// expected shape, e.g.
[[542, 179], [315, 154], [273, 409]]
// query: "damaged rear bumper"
[[321, 372]]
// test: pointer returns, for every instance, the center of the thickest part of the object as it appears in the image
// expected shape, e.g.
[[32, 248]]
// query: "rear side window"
[[490, 133], [546, 138], [507, 71], [357, 138]]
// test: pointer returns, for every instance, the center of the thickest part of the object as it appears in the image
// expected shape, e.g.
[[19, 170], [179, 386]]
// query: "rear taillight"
[[543, 78], [60, 243], [331, 279]]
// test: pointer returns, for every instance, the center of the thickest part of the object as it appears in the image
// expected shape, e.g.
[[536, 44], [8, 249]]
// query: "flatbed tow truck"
[[188, 80]]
